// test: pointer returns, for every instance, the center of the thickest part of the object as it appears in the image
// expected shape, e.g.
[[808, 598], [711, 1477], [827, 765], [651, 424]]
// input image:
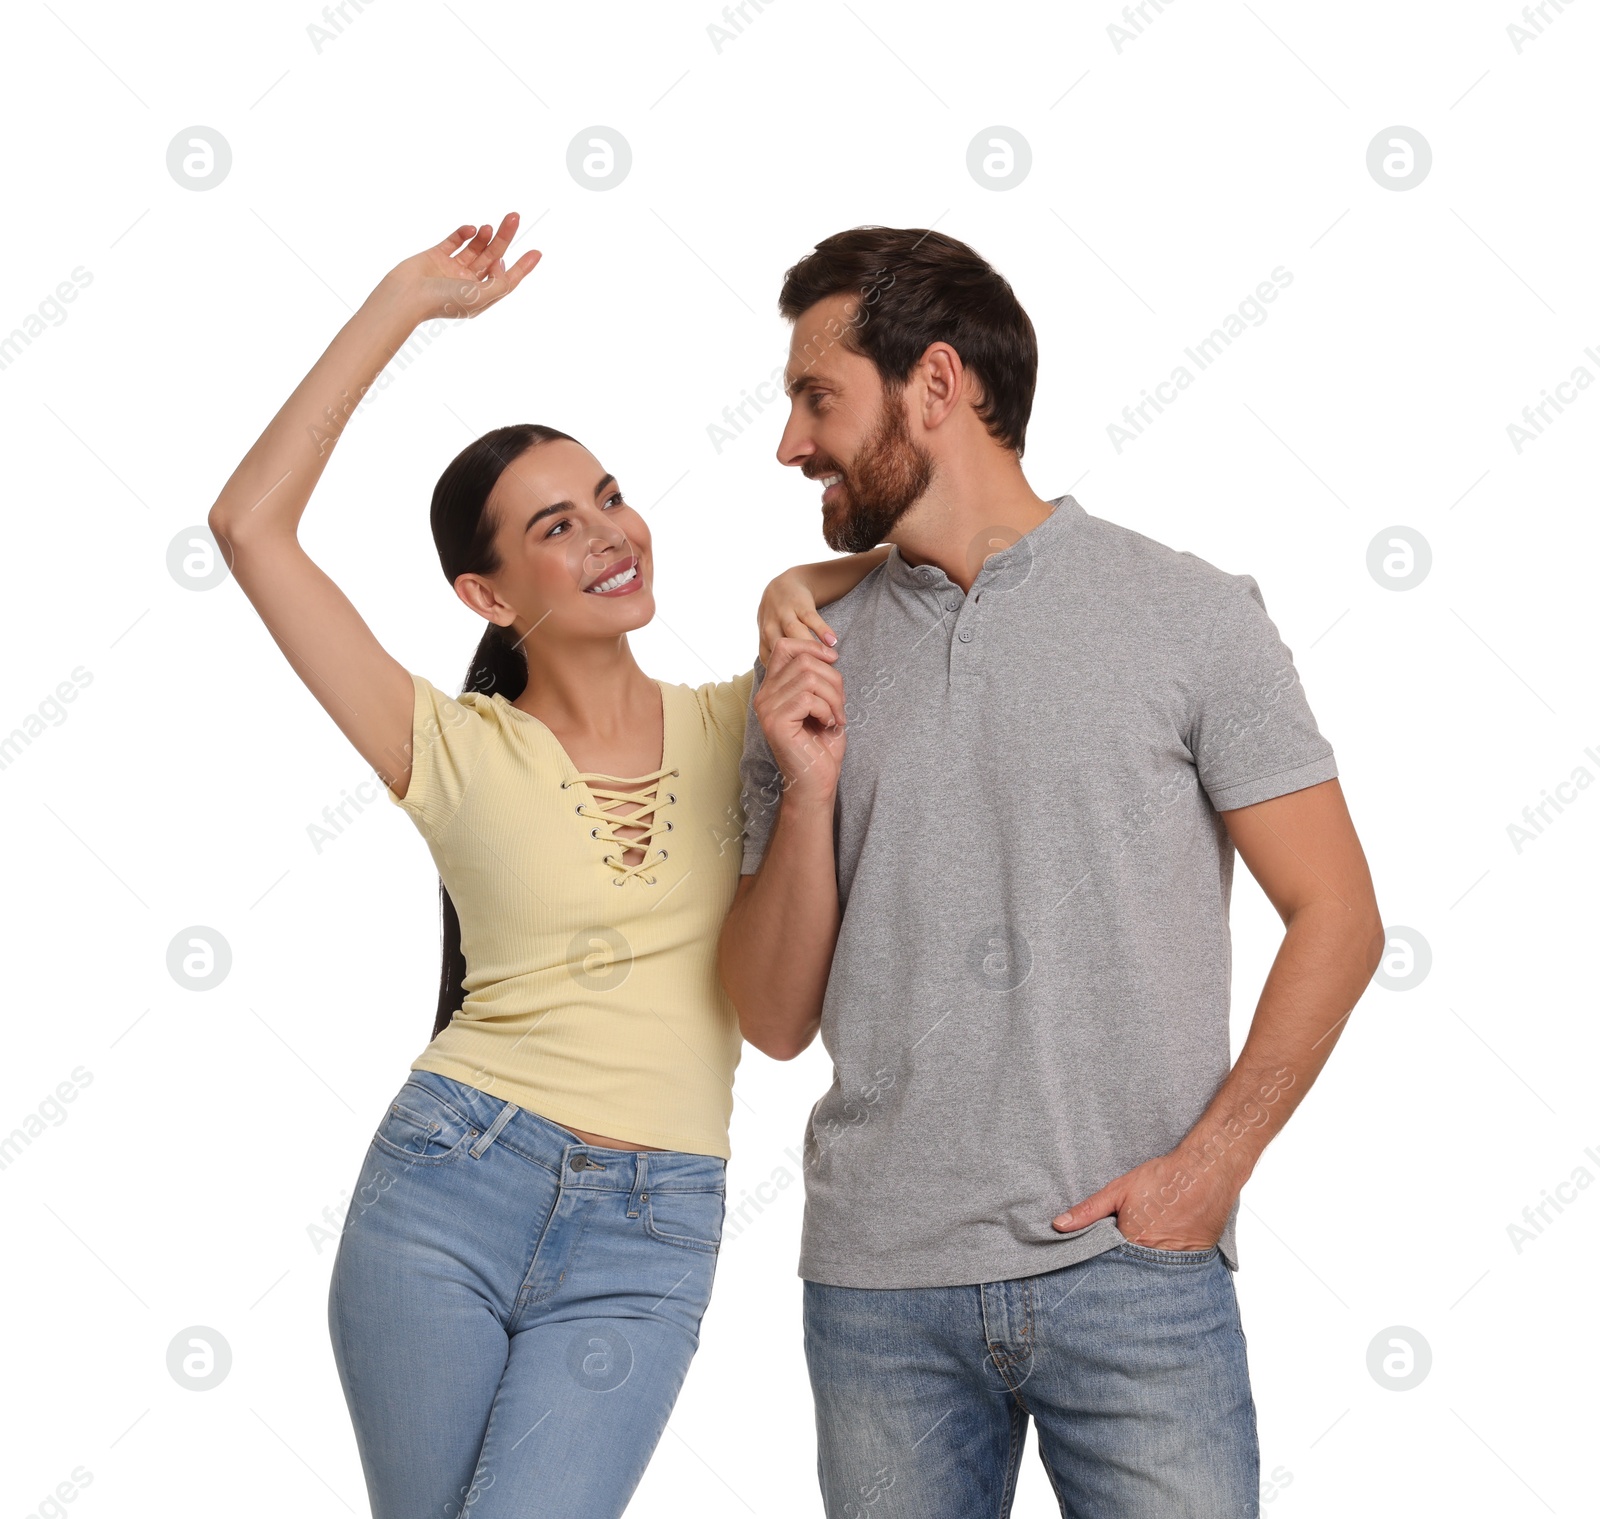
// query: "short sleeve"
[[725, 703], [760, 784], [448, 739], [1252, 735]]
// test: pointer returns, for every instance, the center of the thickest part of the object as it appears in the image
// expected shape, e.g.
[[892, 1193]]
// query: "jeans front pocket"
[[420, 1127], [692, 1219], [1169, 1257]]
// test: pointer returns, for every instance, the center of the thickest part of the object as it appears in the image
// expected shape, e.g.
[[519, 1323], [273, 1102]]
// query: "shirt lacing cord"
[[645, 790]]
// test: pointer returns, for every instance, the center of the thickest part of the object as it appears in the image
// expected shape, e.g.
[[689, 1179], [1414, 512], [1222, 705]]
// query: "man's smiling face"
[[848, 430]]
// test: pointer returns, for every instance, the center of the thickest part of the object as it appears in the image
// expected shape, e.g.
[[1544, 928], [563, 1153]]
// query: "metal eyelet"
[[672, 796], [565, 784], [669, 827], [616, 880], [579, 809], [662, 853]]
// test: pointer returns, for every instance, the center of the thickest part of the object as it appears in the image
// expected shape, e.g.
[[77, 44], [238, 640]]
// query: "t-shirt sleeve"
[[760, 785], [1252, 735], [448, 738], [725, 703]]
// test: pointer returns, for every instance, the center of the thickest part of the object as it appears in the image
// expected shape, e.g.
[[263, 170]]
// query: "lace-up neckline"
[[610, 793]]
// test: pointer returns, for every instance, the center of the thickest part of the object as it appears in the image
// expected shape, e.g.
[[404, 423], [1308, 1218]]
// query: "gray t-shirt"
[[1030, 990]]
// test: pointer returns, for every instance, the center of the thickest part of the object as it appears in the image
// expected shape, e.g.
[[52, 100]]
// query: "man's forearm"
[[1321, 969], [777, 943], [1182, 1199]]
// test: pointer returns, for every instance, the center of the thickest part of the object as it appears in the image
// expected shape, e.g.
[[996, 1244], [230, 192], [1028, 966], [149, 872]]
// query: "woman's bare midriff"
[[609, 1144]]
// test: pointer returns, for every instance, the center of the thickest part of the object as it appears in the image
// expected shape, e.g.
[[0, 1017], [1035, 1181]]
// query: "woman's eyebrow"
[[566, 506]]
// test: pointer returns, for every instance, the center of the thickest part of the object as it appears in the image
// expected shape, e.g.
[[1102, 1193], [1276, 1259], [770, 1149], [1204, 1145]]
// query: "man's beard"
[[889, 476]]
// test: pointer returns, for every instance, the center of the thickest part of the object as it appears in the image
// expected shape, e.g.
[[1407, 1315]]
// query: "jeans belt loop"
[[492, 1133]]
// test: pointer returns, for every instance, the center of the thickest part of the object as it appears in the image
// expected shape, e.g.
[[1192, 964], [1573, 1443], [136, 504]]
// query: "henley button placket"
[[964, 616]]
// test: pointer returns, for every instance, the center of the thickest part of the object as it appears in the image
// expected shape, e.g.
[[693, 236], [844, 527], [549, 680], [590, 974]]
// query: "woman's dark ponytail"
[[463, 533]]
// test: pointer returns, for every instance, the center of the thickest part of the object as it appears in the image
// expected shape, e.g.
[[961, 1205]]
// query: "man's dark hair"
[[918, 287]]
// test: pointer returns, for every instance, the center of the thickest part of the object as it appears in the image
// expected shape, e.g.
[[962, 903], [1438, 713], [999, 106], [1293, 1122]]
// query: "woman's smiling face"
[[575, 559]]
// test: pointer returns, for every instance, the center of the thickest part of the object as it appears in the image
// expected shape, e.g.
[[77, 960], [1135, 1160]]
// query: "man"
[[989, 851]]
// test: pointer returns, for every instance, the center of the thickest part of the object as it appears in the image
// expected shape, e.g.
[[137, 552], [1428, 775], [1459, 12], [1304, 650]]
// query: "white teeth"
[[826, 480], [616, 580]]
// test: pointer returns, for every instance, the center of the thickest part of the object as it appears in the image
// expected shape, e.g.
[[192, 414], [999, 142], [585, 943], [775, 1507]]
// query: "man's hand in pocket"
[[1167, 1203]]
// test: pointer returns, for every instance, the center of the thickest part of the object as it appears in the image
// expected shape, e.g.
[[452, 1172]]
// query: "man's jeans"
[[1131, 1363]]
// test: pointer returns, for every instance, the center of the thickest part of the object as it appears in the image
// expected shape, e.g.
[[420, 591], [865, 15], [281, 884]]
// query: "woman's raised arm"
[[364, 689]]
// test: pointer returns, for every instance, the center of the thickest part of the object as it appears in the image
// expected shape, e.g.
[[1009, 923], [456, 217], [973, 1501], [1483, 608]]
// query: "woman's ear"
[[476, 593]]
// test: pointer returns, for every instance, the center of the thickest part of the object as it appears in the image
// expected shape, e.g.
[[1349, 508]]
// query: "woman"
[[531, 1241]]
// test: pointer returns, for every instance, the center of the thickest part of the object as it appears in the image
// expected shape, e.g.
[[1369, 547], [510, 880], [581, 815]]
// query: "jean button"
[[579, 1163]]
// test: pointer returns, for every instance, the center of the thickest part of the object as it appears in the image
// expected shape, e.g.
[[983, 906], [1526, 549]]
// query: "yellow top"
[[591, 994]]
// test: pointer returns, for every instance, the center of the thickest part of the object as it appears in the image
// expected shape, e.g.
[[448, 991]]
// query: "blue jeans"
[[1131, 1364], [514, 1311]]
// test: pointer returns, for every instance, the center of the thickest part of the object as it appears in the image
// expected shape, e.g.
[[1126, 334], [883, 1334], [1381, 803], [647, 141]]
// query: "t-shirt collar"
[[1065, 515]]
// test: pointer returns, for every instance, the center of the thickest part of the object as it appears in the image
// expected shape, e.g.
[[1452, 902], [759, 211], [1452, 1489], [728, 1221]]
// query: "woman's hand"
[[789, 604], [788, 610], [461, 277]]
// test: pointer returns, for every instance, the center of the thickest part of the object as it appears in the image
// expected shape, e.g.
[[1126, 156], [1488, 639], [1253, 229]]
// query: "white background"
[[1168, 179]]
